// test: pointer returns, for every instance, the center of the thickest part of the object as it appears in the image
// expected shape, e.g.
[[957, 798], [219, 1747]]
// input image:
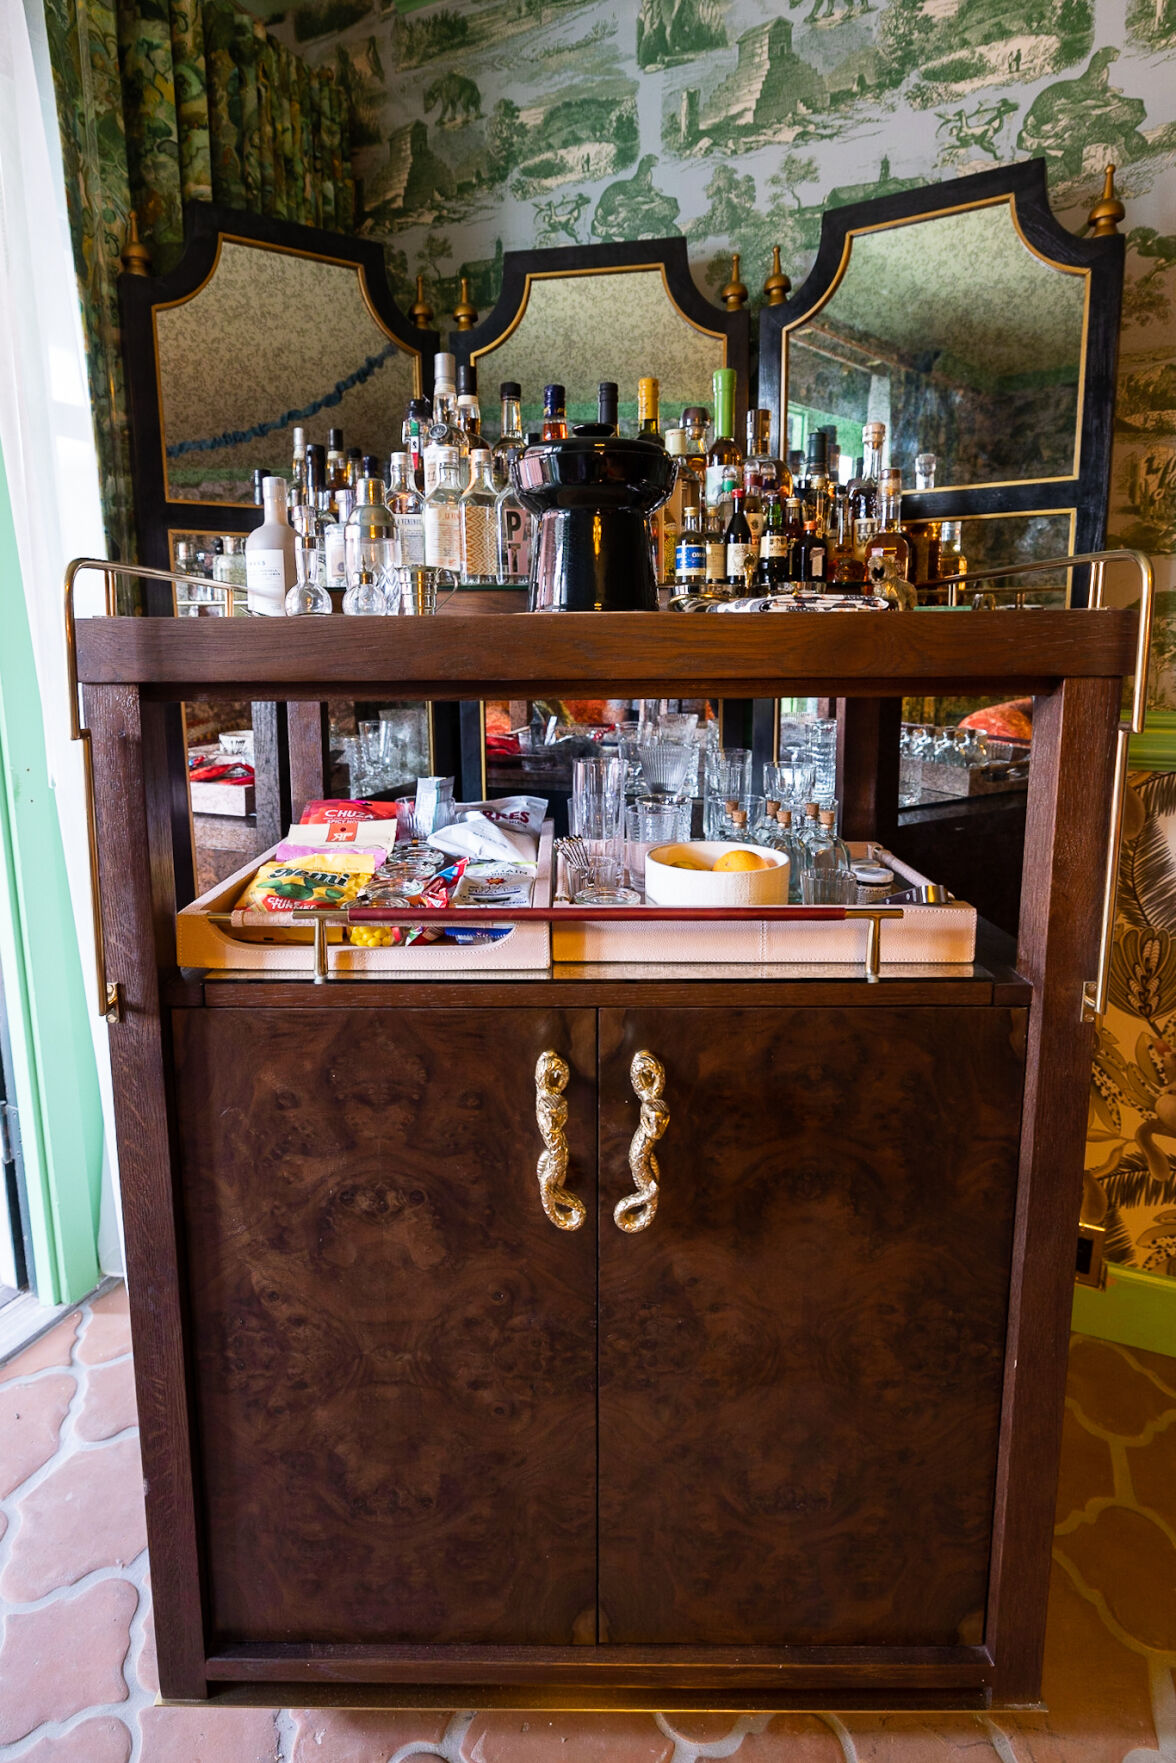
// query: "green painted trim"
[[55, 1073], [1155, 748], [1134, 1308]]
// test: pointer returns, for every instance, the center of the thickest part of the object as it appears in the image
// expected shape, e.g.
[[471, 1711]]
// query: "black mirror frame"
[[1103, 257], [670, 254], [205, 224]]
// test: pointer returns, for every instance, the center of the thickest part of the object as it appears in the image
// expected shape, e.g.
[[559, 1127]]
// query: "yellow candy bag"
[[317, 881]]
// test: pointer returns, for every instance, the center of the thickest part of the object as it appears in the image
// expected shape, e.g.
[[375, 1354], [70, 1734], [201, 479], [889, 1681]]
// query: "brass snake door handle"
[[648, 1078], [565, 1210]]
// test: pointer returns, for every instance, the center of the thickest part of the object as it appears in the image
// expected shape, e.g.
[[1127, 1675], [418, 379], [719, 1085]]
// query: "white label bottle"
[[270, 567], [443, 523]]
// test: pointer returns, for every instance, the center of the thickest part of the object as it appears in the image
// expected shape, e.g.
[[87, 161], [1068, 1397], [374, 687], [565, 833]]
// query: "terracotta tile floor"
[[77, 1679]]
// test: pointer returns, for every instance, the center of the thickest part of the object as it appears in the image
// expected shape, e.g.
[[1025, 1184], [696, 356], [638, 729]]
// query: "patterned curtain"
[[162, 102]]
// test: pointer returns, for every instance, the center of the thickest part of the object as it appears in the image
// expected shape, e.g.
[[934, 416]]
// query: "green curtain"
[[162, 102]]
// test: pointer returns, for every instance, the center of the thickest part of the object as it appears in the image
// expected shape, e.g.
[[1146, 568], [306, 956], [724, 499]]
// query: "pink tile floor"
[[77, 1677]]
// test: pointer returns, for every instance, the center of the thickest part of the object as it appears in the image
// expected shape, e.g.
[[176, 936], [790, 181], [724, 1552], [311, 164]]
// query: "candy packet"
[[317, 881]]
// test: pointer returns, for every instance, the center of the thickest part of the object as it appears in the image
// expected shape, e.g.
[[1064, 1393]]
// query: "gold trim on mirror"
[[1008, 200], [223, 239], [562, 275]]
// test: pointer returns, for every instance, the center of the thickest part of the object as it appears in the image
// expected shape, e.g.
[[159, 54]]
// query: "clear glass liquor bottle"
[[779, 835], [889, 552], [298, 474], [365, 597], [511, 442], [865, 490], [408, 512], [690, 551], [694, 424], [308, 597], [443, 523], [479, 527], [826, 852], [469, 411], [445, 430], [331, 528], [371, 534], [336, 460], [515, 527]]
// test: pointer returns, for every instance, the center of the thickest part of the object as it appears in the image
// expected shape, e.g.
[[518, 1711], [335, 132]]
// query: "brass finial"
[[420, 311], [135, 259], [1108, 211], [465, 313], [777, 287], [734, 295]]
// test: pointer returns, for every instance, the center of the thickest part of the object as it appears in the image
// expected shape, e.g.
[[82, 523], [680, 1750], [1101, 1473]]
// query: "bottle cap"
[[355, 453], [873, 434], [467, 379], [299, 439], [554, 398], [401, 460], [694, 416], [371, 465], [420, 407], [510, 389], [448, 455], [676, 442], [271, 485], [818, 447], [335, 440], [480, 453], [444, 370]]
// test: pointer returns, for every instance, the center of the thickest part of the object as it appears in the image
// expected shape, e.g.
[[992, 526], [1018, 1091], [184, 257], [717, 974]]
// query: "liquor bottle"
[[925, 464], [355, 467], [925, 535], [407, 505], [516, 531], [865, 490], [739, 542], [775, 545], [259, 477], [336, 460], [889, 552], [694, 424], [369, 466], [365, 597], [606, 405], [308, 597], [760, 469], [793, 537], [815, 500], [715, 541], [469, 411], [779, 836], [951, 557], [809, 556], [269, 554], [229, 570], [555, 414], [690, 551], [832, 455], [723, 453], [371, 534], [414, 433], [844, 568], [648, 397], [330, 529], [479, 531], [511, 442], [315, 482], [298, 474], [809, 827], [445, 431], [443, 514]]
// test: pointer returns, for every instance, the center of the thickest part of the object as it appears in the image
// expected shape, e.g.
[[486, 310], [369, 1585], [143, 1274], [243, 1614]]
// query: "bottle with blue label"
[[690, 552]]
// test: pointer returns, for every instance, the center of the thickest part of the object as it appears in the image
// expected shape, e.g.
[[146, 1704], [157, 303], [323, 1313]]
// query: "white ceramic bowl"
[[667, 886]]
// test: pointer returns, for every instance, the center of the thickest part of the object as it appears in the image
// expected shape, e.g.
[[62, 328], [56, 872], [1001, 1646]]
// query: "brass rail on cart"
[[1094, 992]]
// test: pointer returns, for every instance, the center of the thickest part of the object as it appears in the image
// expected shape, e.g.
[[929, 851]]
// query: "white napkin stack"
[[477, 836]]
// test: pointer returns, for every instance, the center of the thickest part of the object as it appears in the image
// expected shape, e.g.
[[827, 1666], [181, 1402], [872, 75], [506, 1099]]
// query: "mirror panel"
[[584, 326], [965, 342], [272, 338]]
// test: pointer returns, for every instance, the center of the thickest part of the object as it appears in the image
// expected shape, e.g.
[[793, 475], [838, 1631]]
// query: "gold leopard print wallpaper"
[[493, 125]]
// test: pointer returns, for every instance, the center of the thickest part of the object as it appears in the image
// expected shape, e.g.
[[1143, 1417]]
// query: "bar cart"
[[406, 1440]]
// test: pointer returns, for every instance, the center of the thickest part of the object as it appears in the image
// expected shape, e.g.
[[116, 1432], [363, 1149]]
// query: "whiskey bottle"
[[843, 567], [336, 460], [555, 414], [269, 554], [694, 425], [607, 394], [723, 454], [648, 424], [815, 500], [775, 545], [809, 556], [445, 431], [479, 531], [889, 553], [864, 491], [511, 442], [355, 467], [469, 411], [443, 549], [738, 541], [407, 505]]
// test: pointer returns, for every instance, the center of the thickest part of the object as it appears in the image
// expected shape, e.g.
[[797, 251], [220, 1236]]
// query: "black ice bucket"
[[593, 494]]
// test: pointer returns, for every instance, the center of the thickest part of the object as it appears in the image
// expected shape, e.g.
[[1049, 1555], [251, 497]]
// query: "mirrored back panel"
[[984, 336], [582, 314]]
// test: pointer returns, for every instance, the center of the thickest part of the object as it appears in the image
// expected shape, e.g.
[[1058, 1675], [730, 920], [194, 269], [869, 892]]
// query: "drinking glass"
[[596, 812], [676, 725], [734, 818], [666, 767], [822, 746], [604, 885], [828, 887], [728, 773], [791, 781]]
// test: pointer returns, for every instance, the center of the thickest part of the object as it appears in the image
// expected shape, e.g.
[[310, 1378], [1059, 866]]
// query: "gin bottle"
[[443, 547], [408, 512], [515, 528], [479, 535], [511, 442], [826, 852], [446, 431]]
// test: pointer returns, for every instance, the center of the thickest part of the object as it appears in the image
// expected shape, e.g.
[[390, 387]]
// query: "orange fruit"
[[685, 863], [742, 860]]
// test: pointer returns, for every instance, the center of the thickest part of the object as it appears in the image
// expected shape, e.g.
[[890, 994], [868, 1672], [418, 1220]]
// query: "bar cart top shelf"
[[740, 655]]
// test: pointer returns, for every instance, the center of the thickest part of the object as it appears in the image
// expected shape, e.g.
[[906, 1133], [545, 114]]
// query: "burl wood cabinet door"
[[801, 1356], [394, 1349]]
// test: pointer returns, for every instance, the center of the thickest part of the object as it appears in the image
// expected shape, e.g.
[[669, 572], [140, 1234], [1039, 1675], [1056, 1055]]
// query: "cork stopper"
[[771, 808], [811, 810], [739, 816], [826, 817], [731, 805], [784, 817]]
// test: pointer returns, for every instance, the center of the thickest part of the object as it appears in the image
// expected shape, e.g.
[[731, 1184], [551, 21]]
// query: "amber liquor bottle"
[[555, 413], [889, 552]]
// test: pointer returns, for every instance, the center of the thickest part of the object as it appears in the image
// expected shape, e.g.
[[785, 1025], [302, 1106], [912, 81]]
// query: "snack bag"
[[342, 810], [320, 881]]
